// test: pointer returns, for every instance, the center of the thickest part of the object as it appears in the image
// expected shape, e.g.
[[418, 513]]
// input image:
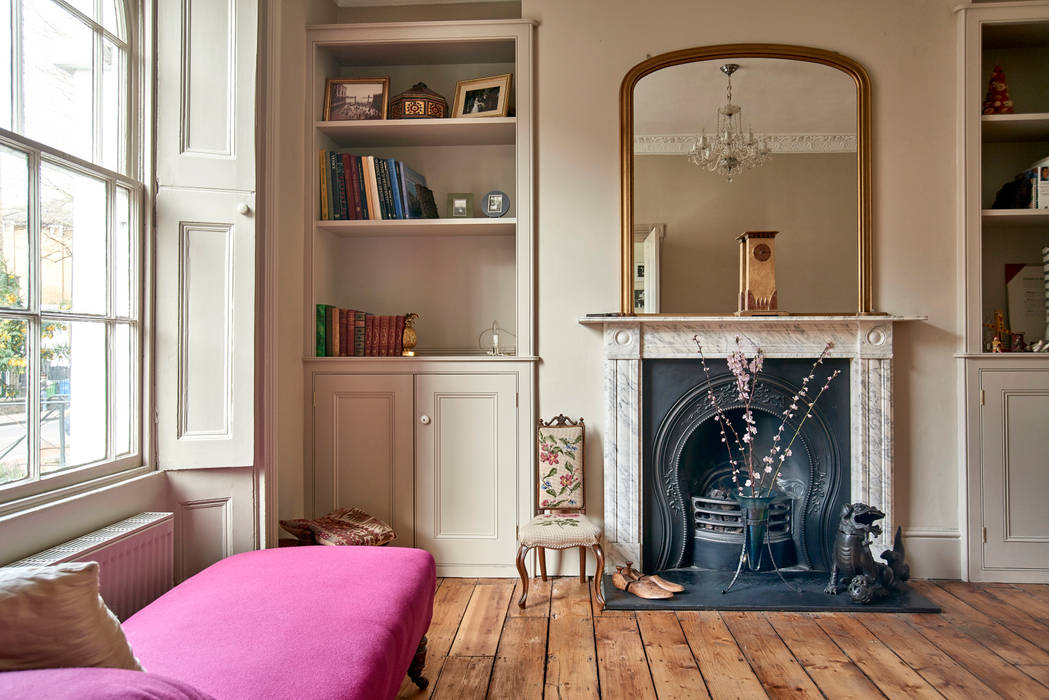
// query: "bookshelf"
[[458, 274]]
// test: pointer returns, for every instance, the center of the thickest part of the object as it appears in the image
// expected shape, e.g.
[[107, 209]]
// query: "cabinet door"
[[362, 448], [466, 471], [1015, 469]]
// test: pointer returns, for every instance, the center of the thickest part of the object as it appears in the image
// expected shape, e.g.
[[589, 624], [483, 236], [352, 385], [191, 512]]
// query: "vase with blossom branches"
[[754, 471]]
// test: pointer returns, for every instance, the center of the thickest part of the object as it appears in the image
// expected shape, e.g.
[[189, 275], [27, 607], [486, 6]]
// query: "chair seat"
[[559, 531]]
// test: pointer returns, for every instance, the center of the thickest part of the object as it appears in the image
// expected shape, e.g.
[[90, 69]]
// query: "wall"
[[909, 49], [809, 198]]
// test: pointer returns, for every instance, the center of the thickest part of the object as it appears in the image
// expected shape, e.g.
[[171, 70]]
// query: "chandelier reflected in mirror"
[[730, 150]]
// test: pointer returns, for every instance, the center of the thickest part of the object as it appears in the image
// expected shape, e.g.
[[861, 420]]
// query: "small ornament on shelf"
[[418, 102], [408, 338], [493, 346], [997, 100], [1001, 333]]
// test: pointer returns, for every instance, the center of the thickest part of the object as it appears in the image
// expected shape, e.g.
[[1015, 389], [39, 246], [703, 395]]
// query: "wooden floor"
[[991, 641]]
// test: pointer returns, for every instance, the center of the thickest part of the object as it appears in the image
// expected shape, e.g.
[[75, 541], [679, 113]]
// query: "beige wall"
[[909, 49], [809, 198]]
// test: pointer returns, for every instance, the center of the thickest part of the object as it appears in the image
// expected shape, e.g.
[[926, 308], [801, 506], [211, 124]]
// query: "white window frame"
[[39, 488]]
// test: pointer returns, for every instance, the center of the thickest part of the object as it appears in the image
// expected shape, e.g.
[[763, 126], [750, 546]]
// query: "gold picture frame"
[[356, 99], [482, 97]]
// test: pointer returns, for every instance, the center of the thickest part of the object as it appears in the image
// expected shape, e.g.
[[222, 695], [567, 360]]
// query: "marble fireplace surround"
[[866, 341]]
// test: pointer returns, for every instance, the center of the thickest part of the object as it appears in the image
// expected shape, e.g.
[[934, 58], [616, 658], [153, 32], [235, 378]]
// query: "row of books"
[[1038, 174], [368, 187], [351, 333]]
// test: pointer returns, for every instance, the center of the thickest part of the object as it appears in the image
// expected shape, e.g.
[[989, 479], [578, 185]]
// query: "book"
[[387, 189], [362, 193], [410, 183], [370, 186], [345, 333], [358, 333], [331, 331], [1041, 193], [324, 186], [369, 336], [380, 187], [1031, 174], [353, 203], [395, 182], [429, 206], [398, 336], [321, 349], [384, 336], [339, 180]]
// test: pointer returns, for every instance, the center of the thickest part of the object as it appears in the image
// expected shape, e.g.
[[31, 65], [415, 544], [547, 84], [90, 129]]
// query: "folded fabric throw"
[[345, 526]]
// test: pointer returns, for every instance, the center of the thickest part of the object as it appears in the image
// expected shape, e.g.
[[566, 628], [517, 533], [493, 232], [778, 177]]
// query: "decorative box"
[[418, 102]]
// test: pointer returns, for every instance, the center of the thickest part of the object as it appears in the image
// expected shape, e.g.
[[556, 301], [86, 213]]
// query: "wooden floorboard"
[[991, 641]]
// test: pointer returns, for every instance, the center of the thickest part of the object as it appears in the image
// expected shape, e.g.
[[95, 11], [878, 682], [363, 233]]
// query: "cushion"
[[559, 531], [294, 622], [94, 684], [53, 616], [561, 467], [342, 527]]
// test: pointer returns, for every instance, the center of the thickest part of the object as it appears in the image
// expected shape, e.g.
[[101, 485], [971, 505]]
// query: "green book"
[[322, 332]]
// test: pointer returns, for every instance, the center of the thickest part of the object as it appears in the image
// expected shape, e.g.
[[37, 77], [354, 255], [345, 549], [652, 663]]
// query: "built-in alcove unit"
[[440, 444], [861, 344], [1004, 396]]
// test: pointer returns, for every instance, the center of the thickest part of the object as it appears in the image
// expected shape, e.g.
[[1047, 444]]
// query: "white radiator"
[[135, 559]]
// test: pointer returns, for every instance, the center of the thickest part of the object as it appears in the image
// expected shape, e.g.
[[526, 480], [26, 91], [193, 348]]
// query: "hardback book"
[[353, 202], [395, 187], [322, 315], [324, 185], [1032, 175], [1042, 191], [382, 182], [362, 193], [374, 208], [345, 333], [339, 180], [370, 335], [398, 336], [410, 183], [429, 206], [384, 336], [387, 188], [331, 330], [358, 333]]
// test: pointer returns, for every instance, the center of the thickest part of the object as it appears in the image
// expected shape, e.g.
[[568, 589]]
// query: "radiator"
[[135, 559]]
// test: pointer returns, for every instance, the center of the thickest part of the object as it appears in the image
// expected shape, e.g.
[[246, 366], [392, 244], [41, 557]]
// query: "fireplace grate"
[[721, 520]]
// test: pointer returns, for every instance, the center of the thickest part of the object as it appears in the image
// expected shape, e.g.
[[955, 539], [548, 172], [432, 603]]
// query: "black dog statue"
[[865, 578]]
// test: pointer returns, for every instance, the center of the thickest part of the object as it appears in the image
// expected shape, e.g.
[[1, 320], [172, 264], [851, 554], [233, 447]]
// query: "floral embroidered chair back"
[[561, 464]]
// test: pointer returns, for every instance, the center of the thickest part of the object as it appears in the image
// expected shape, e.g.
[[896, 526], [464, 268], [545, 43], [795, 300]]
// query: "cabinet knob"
[[243, 209], [424, 419]]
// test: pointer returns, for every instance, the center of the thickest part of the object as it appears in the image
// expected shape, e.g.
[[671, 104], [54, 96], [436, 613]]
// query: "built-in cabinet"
[[1005, 411], [441, 445]]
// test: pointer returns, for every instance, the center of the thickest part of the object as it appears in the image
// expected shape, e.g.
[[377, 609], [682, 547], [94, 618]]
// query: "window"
[[70, 235]]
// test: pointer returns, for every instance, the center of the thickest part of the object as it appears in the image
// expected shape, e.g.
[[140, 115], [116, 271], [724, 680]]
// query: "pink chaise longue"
[[303, 623]]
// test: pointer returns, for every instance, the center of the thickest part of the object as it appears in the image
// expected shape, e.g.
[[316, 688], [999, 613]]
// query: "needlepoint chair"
[[561, 523]]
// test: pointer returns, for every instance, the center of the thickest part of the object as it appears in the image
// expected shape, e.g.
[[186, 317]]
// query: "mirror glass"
[[686, 218]]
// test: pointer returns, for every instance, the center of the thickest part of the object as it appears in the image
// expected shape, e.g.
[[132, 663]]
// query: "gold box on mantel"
[[418, 102], [757, 274]]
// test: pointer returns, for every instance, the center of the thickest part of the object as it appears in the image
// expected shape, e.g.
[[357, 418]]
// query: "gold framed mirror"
[[691, 217]]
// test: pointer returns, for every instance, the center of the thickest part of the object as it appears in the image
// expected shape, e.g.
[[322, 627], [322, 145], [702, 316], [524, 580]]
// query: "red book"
[[398, 336], [345, 333], [370, 335], [353, 198], [358, 333], [384, 336]]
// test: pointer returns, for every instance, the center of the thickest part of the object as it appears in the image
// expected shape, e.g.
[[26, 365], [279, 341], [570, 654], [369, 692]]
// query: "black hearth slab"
[[762, 592]]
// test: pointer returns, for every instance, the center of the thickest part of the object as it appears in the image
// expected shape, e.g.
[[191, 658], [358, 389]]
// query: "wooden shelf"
[[999, 128], [487, 131], [419, 227], [1015, 218]]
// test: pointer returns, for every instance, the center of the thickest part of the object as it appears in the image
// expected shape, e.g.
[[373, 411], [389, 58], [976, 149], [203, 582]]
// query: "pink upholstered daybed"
[[295, 623]]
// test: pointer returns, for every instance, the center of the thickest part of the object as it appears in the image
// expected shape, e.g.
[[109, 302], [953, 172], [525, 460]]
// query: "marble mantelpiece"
[[866, 341]]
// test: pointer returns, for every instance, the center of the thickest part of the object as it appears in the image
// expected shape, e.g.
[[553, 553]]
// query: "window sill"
[[21, 506]]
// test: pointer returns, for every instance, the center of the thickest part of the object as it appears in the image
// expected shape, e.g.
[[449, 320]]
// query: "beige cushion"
[[52, 616], [559, 531]]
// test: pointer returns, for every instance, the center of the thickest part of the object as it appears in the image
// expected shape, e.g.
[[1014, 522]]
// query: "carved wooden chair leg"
[[542, 561], [521, 552], [599, 573], [415, 671], [582, 564]]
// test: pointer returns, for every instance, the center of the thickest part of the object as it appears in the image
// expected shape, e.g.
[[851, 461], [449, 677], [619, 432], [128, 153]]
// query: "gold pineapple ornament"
[[757, 274], [408, 338]]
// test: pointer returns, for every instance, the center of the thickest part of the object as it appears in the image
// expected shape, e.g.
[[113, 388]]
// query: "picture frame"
[[460, 205], [356, 99], [495, 204], [482, 97]]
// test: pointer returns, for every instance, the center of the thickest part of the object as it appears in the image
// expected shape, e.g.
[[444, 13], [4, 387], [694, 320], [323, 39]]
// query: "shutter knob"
[[243, 209], [425, 420]]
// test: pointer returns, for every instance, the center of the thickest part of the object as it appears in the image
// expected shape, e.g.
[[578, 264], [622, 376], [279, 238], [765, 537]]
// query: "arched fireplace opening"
[[688, 516]]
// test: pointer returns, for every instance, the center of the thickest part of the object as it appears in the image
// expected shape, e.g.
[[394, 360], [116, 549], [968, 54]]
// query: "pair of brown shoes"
[[650, 587]]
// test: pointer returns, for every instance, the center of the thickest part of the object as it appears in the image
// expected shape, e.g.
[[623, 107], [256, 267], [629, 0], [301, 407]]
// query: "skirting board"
[[933, 552]]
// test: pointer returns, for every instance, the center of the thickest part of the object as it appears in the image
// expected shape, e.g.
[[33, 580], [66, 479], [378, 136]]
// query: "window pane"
[[72, 241], [113, 17], [6, 30], [56, 78], [122, 276], [124, 405], [14, 407], [85, 6], [114, 67], [14, 233], [73, 403]]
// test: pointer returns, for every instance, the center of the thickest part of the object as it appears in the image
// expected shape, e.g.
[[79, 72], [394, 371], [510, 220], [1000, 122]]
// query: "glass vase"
[[755, 527]]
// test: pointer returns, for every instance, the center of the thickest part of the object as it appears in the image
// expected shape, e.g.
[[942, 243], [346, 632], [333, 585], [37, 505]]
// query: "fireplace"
[[688, 517]]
